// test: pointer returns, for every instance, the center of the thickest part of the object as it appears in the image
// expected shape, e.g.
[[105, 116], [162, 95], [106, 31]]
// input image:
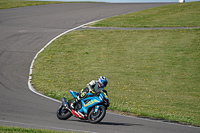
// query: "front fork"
[[64, 102]]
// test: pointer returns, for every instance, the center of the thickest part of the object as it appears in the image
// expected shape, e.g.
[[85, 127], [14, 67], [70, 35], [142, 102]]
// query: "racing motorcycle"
[[92, 107]]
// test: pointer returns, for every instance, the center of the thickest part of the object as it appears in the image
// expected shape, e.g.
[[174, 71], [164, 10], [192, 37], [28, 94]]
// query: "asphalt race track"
[[23, 32]]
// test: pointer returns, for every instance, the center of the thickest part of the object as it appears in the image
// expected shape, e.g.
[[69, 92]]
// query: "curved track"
[[23, 32]]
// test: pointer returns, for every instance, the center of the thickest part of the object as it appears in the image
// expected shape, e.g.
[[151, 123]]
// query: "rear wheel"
[[63, 113], [96, 117]]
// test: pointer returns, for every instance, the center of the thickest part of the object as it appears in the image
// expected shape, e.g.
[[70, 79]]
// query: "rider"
[[93, 87]]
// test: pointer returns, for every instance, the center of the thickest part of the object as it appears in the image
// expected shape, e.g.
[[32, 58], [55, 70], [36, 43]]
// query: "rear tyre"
[[96, 117], [63, 113]]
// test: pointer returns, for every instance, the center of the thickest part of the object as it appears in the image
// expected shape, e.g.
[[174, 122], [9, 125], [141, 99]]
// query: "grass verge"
[[174, 15], [6, 129], [6, 4], [151, 73]]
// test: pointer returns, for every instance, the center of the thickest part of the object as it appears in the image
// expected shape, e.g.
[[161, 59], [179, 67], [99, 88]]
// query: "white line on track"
[[31, 67], [31, 72]]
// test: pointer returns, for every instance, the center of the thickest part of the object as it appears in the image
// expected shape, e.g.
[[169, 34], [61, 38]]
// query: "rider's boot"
[[72, 105], [74, 102]]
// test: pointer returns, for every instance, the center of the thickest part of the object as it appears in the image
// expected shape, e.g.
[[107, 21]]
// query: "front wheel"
[[96, 117], [63, 113]]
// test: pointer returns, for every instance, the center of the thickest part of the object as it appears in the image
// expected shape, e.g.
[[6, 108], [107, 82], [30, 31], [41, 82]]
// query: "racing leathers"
[[93, 87]]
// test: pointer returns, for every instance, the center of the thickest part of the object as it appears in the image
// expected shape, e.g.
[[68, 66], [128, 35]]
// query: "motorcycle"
[[92, 107]]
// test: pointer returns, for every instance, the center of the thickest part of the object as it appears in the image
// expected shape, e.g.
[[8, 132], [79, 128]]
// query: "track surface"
[[23, 32]]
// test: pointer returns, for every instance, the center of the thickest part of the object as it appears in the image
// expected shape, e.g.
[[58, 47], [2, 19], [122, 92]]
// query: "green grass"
[[174, 15], [6, 129], [151, 73], [5, 4]]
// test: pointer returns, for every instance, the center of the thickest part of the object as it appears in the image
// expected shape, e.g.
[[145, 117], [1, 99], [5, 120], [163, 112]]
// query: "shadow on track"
[[111, 123], [119, 124]]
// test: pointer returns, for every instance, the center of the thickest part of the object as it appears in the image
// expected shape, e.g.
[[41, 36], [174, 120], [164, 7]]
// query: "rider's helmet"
[[103, 81]]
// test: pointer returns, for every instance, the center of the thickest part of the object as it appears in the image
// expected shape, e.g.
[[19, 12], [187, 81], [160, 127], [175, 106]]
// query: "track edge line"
[[32, 63]]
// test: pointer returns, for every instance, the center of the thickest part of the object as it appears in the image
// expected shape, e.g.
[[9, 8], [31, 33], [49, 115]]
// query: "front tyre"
[[96, 117], [63, 113]]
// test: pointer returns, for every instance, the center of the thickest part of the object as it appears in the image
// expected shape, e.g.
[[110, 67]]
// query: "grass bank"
[[151, 73], [5, 129], [5, 4], [174, 15]]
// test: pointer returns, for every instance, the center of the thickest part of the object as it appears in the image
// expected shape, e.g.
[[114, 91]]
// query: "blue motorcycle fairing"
[[90, 94], [74, 94], [92, 102]]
